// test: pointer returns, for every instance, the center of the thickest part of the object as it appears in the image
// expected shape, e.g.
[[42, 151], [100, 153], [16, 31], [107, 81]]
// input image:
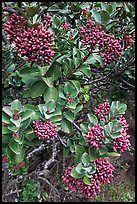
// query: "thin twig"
[[54, 153], [44, 179], [77, 127], [130, 62], [132, 86], [83, 60], [10, 10], [105, 77], [62, 141], [12, 192], [17, 191], [36, 150]]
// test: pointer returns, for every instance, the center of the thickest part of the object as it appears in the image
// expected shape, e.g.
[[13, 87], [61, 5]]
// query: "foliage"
[[53, 67], [29, 191]]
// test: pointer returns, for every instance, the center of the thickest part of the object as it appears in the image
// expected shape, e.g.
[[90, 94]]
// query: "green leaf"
[[50, 93], [103, 150], [108, 127], [51, 105], [110, 9], [15, 146], [66, 152], [5, 130], [114, 5], [105, 15], [66, 126], [43, 69], [103, 6], [56, 20], [30, 107], [79, 168], [75, 174], [69, 115], [85, 69], [90, 169], [37, 89], [16, 122], [93, 119], [93, 154], [13, 128], [27, 114], [84, 127], [48, 81], [87, 181], [82, 141], [122, 108], [16, 105], [5, 118], [113, 107], [30, 136], [85, 158], [33, 143], [7, 110], [71, 106], [30, 76], [96, 16], [113, 154], [78, 108], [25, 124], [115, 135], [31, 10], [70, 89], [20, 138], [98, 58], [56, 118], [79, 150], [5, 140], [76, 84], [15, 158]]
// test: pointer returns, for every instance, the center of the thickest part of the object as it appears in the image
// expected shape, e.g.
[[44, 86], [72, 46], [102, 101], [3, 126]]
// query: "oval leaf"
[[87, 181], [93, 119], [50, 93], [85, 158], [15, 147], [75, 174], [16, 105], [96, 15], [37, 89], [105, 15], [79, 150]]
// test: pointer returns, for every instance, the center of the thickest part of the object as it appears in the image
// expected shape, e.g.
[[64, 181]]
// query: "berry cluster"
[[92, 35], [46, 21], [112, 49], [45, 130], [128, 41], [4, 159], [70, 100], [66, 26], [35, 45], [15, 25], [102, 110], [95, 136], [122, 143], [85, 12], [18, 166], [104, 171]]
